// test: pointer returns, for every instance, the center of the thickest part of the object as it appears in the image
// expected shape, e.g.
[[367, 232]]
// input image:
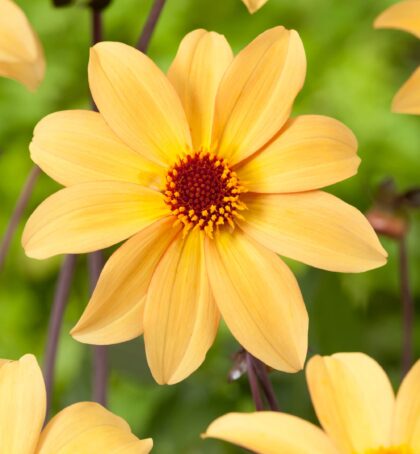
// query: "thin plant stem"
[[253, 382], [407, 306], [100, 377], [61, 298], [96, 22], [150, 25], [96, 26], [266, 385], [100, 360], [19, 209]]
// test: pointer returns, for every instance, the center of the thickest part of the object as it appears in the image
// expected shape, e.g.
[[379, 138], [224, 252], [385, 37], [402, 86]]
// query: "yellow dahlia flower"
[[254, 5], [83, 428], [21, 55], [404, 16], [355, 404], [207, 174]]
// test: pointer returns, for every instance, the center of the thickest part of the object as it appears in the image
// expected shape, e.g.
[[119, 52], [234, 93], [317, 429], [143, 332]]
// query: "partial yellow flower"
[[21, 54], [85, 427], [355, 404], [404, 16], [254, 5], [209, 178]]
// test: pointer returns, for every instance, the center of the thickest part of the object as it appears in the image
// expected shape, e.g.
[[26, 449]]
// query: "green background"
[[353, 73]]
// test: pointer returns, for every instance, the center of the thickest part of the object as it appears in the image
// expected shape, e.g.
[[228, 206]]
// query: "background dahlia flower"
[[404, 16], [354, 402], [254, 5], [21, 54], [84, 427], [209, 178]]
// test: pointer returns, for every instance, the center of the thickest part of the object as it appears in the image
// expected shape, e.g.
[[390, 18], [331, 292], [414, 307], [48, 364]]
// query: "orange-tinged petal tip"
[[90, 216], [347, 384], [268, 432], [257, 92], [23, 402], [407, 99], [22, 57], [180, 319], [403, 15], [271, 327], [138, 102], [254, 5], [87, 427]]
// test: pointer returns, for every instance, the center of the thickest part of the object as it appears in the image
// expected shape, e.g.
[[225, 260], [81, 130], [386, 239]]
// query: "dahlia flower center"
[[203, 192], [391, 450]]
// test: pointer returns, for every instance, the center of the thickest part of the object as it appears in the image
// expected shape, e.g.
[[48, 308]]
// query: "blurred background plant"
[[353, 73]]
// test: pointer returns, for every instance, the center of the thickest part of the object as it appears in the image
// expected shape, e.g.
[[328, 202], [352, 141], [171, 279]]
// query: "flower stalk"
[[407, 306], [253, 382], [266, 385], [61, 298], [20, 207], [260, 381], [150, 25], [96, 26], [390, 216]]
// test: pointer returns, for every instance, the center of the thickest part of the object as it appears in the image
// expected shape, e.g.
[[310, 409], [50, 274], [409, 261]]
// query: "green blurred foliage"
[[353, 72]]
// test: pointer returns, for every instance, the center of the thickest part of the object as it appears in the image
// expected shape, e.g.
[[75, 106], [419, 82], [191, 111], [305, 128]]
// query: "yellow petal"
[[77, 146], [315, 228], [407, 411], [22, 409], [257, 93], [88, 428], [407, 100], [196, 72], [181, 318], [254, 5], [21, 55], [310, 153], [90, 216], [115, 312], [353, 400], [259, 299], [138, 102], [268, 432], [403, 15]]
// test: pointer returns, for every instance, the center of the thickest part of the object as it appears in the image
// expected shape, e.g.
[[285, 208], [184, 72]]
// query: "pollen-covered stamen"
[[203, 192]]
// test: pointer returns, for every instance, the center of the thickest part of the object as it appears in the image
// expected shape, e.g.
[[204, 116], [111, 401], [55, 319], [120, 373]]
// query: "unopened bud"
[[387, 223]]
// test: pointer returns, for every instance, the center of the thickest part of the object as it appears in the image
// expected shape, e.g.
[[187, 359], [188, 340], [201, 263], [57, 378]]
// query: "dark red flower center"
[[202, 191]]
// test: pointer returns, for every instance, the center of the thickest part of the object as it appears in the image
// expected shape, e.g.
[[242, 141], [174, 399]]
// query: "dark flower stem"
[[100, 375], [267, 387], [407, 306], [150, 25], [61, 297], [20, 207], [253, 382], [96, 26], [96, 263]]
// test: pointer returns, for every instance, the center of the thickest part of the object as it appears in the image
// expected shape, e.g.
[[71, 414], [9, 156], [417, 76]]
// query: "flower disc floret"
[[202, 191]]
